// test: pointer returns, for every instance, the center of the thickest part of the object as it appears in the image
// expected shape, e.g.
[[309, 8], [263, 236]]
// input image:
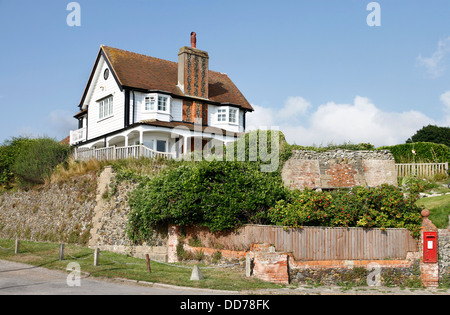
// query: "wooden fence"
[[117, 153], [316, 243], [421, 169]]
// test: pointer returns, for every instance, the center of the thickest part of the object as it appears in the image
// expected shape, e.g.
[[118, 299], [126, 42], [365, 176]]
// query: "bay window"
[[227, 114], [157, 103]]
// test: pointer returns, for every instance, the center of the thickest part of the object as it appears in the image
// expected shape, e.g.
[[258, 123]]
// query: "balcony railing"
[[77, 136], [118, 153]]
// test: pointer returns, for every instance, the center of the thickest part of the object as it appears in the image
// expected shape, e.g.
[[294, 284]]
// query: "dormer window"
[[227, 114], [157, 103]]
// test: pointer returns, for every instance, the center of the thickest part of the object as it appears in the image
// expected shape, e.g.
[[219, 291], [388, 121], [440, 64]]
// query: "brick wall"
[[339, 168]]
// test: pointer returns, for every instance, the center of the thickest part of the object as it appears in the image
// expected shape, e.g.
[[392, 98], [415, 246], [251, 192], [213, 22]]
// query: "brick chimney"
[[193, 70]]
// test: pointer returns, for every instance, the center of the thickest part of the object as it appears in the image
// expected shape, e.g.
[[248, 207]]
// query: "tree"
[[432, 133]]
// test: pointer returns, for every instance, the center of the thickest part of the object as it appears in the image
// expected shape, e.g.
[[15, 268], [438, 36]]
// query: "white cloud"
[[435, 65], [445, 99], [294, 106], [260, 118], [336, 123]]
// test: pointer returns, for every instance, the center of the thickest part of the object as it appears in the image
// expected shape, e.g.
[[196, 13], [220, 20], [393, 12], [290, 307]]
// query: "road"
[[22, 279]]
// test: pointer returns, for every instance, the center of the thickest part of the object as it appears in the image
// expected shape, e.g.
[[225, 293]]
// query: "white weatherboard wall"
[[99, 89]]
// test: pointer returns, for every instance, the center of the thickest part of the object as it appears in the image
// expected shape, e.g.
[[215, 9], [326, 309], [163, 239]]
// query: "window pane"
[[110, 106], [222, 114], [106, 107], [232, 118], [162, 103], [149, 103], [160, 145], [100, 114]]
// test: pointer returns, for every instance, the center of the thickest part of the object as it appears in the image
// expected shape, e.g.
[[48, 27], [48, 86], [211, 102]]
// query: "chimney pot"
[[193, 40]]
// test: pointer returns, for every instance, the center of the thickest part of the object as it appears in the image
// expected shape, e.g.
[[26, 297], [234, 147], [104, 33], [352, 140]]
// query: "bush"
[[419, 152], [8, 155], [37, 159], [383, 207], [218, 195]]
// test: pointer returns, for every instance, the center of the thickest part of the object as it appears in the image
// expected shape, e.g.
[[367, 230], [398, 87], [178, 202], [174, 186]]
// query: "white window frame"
[[157, 103], [222, 115], [233, 112], [106, 107], [150, 103], [225, 113]]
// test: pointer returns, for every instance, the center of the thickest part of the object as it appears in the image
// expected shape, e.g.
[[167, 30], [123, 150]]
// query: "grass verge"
[[439, 208], [112, 265]]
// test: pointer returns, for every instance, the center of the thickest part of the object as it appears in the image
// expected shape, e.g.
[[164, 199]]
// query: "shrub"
[[416, 185], [383, 207], [37, 159], [8, 155], [218, 195], [419, 152]]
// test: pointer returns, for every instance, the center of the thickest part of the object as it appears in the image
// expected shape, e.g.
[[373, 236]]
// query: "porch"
[[117, 153], [153, 141]]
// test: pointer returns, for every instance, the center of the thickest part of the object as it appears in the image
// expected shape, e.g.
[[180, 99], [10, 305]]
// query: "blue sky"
[[315, 69]]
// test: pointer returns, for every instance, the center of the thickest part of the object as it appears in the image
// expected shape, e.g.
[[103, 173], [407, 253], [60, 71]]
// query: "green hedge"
[[425, 152]]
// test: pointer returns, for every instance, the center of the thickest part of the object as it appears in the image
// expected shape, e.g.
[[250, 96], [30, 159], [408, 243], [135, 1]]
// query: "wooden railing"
[[118, 153], [421, 169]]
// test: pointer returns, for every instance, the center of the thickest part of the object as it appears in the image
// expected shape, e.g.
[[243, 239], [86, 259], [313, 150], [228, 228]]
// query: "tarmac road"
[[22, 279]]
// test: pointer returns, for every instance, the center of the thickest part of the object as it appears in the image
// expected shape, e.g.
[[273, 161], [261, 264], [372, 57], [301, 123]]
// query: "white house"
[[135, 101]]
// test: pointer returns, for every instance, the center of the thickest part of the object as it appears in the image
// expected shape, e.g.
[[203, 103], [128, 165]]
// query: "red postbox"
[[430, 247]]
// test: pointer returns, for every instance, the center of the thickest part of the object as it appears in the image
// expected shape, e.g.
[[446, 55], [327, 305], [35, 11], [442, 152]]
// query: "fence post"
[[61, 251], [96, 256], [16, 250], [147, 258]]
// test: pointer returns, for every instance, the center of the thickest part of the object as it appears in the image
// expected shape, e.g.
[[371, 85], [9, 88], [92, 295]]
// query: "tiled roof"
[[149, 73]]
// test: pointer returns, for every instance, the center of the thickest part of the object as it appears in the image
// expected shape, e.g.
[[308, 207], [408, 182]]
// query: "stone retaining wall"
[[60, 212], [444, 253], [79, 210]]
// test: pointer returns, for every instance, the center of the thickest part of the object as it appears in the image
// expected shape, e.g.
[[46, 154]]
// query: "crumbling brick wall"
[[339, 169]]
